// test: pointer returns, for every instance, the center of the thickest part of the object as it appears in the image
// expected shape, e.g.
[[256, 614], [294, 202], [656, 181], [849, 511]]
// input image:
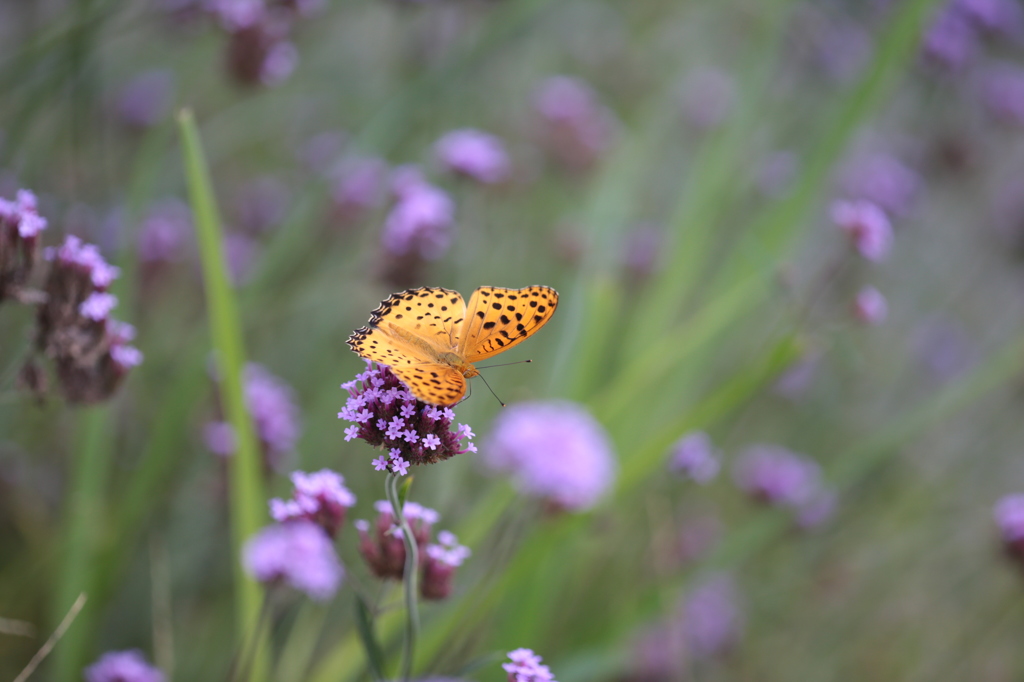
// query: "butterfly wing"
[[411, 327], [433, 383], [498, 319]]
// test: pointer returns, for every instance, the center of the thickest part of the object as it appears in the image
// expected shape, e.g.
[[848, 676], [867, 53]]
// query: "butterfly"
[[430, 338]]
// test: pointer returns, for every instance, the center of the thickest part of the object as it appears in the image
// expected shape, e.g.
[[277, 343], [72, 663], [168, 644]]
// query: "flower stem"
[[410, 577]]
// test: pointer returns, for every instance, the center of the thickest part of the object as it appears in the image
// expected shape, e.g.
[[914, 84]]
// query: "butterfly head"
[[458, 363]]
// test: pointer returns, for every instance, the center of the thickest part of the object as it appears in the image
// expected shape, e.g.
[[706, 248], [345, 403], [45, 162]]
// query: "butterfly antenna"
[[492, 390], [506, 364]]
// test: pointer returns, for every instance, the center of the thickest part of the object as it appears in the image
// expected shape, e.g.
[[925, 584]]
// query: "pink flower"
[[867, 227], [870, 306]]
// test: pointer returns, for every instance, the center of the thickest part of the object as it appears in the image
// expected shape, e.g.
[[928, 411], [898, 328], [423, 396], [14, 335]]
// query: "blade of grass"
[[246, 486]]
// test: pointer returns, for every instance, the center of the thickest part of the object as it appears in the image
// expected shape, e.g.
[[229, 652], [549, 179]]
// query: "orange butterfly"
[[430, 338]]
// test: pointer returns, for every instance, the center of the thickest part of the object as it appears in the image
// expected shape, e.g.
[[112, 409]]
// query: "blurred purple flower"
[[219, 438], [97, 305], [20, 227], [712, 620], [146, 99], [867, 227], [439, 563], [694, 457], [950, 40], [122, 666], [422, 220], [555, 450], [359, 184], [577, 128], [798, 377], [1008, 514], [475, 154], [708, 97], [235, 15], [272, 404], [526, 666], [298, 553], [385, 414], [777, 476], [320, 497], [240, 251], [384, 552], [870, 306], [261, 205], [1003, 94], [165, 232], [883, 180]]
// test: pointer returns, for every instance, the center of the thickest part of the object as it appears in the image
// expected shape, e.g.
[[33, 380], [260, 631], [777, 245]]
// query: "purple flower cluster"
[[554, 450], [320, 497], [776, 476], [384, 550], [883, 180], [91, 350], [712, 620], [870, 306], [386, 415], [694, 457], [20, 227], [866, 226], [260, 51], [955, 33], [526, 666], [1003, 94], [421, 223], [576, 128], [298, 553], [275, 415], [474, 154], [122, 666], [1008, 514], [358, 185]]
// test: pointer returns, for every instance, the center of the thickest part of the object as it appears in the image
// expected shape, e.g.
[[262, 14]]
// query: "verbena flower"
[[694, 457], [320, 497], [866, 226], [473, 153], [950, 41], [577, 129], [73, 326], [385, 414], [358, 185], [165, 232], [20, 227], [554, 450], [1008, 514], [122, 666], [883, 180], [1003, 94], [870, 306], [526, 666], [298, 553], [384, 551], [711, 617], [777, 476], [146, 99], [275, 414], [439, 563], [422, 221]]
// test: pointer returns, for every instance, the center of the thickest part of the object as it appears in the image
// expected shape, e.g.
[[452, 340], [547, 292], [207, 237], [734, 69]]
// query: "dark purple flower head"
[[866, 226], [259, 51], [992, 16], [708, 97], [320, 497], [473, 153], [776, 476], [526, 666], [1008, 514], [1003, 94], [298, 553], [883, 180], [165, 232], [577, 129], [421, 223], [439, 563], [694, 457], [554, 450], [712, 620], [122, 666], [870, 306], [146, 99], [384, 551], [20, 227], [386, 415]]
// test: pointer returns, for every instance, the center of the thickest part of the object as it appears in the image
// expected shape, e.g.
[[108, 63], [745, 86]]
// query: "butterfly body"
[[430, 337]]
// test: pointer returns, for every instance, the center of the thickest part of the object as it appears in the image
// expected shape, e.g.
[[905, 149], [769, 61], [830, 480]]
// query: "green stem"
[[247, 499], [410, 578]]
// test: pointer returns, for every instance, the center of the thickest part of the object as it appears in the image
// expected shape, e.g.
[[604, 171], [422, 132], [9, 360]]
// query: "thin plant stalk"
[[410, 578]]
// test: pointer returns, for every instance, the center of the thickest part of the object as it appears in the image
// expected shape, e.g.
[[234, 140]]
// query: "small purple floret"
[[122, 666], [298, 553]]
